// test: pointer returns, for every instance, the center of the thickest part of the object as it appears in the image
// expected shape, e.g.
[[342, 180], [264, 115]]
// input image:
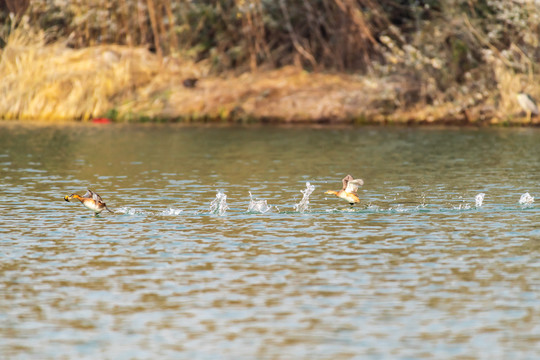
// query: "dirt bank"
[[56, 83]]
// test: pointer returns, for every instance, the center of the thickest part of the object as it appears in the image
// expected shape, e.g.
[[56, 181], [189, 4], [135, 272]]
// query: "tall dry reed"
[[437, 53], [54, 82], [339, 34]]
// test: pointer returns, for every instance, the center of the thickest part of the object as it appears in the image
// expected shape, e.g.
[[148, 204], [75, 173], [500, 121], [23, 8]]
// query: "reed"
[[267, 59], [339, 34], [53, 82]]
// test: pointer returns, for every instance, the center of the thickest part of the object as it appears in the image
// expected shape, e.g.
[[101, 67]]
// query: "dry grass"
[[55, 83], [247, 34], [509, 84], [285, 95], [456, 61]]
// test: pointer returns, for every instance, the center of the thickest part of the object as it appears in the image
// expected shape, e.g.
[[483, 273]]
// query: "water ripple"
[[426, 266]]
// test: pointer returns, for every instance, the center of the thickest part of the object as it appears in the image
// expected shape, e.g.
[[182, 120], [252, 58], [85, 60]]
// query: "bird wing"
[[92, 195], [346, 180], [96, 197], [352, 185]]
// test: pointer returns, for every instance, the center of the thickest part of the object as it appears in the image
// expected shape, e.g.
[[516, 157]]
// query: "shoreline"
[[125, 84]]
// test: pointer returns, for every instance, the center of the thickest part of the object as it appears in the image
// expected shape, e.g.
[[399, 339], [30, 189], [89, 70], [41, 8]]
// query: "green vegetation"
[[285, 60]]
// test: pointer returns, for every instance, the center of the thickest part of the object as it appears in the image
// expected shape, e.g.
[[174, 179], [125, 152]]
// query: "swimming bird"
[[348, 192], [91, 200]]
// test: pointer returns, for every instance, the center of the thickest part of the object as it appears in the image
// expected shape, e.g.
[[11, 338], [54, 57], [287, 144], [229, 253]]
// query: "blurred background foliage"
[[445, 48]]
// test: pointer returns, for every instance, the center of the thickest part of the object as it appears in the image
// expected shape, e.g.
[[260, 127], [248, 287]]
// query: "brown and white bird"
[[91, 200], [348, 192]]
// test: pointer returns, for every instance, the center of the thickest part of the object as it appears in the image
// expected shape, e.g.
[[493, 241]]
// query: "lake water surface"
[[422, 268]]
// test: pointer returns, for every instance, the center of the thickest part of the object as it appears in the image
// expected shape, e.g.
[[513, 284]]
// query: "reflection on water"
[[424, 267]]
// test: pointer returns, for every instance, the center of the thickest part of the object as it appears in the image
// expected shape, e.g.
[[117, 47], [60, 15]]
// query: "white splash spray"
[[304, 203], [463, 205], [219, 204], [258, 205], [129, 211], [171, 212], [526, 199], [479, 199]]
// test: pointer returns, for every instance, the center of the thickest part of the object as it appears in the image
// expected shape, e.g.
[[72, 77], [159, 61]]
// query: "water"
[[421, 269]]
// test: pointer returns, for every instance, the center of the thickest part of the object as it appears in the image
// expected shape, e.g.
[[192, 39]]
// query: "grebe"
[[348, 192], [91, 200]]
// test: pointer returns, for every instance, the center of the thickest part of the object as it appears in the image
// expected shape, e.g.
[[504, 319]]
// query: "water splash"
[[374, 208], [304, 203], [423, 201], [258, 205], [462, 206], [526, 199], [219, 204], [171, 211], [479, 199], [128, 211], [399, 209]]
